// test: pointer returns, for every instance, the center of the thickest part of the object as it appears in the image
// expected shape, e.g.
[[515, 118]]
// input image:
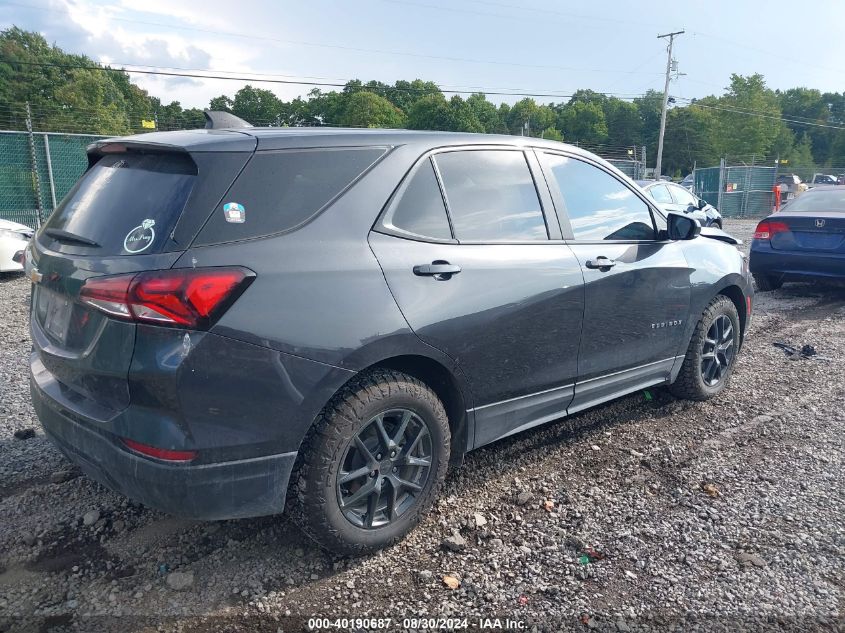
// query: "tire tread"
[[310, 479], [688, 384]]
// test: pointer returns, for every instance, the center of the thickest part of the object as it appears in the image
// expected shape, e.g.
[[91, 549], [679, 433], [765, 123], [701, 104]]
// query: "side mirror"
[[680, 227], [701, 204]]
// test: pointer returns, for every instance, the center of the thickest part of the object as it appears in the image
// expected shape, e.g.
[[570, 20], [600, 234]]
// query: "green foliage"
[[434, 112], [583, 121], [527, 117], [802, 152], [367, 109], [256, 105], [748, 122]]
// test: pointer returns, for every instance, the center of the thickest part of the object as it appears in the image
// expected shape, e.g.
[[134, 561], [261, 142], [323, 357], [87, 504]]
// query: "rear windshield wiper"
[[66, 236]]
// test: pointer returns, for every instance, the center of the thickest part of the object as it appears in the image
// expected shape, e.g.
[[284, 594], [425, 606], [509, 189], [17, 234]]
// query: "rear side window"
[[491, 196], [419, 209], [598, 205], [278, 191], [126, 203]]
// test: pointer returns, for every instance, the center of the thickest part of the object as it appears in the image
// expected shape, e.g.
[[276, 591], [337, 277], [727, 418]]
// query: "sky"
[[543, 47]]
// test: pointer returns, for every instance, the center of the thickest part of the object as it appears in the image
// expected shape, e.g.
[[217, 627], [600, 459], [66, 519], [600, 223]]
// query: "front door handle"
[[601, 263], [440, 269]]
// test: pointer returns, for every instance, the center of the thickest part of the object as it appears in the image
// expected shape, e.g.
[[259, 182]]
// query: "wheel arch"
[[448, 383], [448, 388]]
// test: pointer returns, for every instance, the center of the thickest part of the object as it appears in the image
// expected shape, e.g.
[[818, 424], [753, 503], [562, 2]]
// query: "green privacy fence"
[[37, 170], [739, 191]]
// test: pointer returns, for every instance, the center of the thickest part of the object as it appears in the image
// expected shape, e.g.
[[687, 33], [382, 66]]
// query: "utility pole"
[[658, 166]]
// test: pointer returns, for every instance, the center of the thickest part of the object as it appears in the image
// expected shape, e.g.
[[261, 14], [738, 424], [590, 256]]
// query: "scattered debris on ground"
[[726, 511]]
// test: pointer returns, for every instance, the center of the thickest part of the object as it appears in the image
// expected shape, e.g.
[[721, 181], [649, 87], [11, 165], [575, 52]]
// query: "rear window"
[[126, 203], [818, 200], [279, 191]]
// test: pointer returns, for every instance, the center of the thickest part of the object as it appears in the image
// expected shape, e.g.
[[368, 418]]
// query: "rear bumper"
[[222, 490], [793, 265]]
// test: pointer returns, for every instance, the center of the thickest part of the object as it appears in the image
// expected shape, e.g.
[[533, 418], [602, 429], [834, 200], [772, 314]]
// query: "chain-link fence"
[[37, 170], [634, 169], [737, 191]]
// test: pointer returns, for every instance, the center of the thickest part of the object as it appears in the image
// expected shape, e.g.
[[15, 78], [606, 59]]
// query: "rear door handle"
[[601, 263], [439, 269]]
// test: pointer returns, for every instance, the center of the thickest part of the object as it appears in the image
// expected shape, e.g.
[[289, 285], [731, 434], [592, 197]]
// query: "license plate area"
[[816, 240], [54, 311]]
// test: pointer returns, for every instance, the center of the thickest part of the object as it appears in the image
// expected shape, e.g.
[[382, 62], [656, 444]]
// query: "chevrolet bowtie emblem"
[[35, 276]]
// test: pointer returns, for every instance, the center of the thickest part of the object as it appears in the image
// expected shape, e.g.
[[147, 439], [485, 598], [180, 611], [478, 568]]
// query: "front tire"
[[710, 357], [767, 283], [373, 464]]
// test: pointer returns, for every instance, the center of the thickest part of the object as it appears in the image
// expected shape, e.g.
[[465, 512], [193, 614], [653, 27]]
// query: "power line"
[[254, 36], [693, 102], [165, 73]]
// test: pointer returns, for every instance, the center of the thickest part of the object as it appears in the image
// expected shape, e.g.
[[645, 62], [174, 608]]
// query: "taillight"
[[185, 297], [767, 228], [160, 453]]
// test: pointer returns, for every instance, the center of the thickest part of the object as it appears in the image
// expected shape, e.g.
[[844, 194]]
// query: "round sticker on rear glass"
[[140, 238], [234, 212]]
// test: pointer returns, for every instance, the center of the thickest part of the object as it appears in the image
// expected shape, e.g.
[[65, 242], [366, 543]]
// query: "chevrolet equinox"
[[229, 321]]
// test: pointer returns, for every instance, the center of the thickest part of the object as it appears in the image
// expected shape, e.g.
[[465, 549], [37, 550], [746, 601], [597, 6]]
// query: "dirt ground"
[[647, 514]]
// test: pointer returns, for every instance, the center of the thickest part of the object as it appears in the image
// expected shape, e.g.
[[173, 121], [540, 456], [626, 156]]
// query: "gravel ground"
[[645, 514]]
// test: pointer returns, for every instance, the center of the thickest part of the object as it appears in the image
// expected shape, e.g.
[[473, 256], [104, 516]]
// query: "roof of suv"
[[249, 139]]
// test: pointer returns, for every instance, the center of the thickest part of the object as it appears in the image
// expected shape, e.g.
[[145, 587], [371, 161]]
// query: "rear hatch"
[[137, 208], [822, 232]]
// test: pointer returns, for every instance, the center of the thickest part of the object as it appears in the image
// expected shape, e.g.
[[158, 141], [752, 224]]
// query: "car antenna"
[[220, 120]]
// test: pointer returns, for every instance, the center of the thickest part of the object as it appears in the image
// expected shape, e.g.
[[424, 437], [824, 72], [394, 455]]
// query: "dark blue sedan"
[[805, 240]]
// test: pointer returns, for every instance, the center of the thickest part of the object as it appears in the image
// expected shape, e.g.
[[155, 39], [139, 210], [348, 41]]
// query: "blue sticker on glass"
[[234, 212]]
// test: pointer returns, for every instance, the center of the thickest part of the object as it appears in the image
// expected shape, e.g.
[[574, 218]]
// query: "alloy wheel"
[[718, 351], [386, 465]]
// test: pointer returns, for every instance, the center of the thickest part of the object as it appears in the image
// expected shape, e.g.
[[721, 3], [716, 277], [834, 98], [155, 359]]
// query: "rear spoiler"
[[718, 234]]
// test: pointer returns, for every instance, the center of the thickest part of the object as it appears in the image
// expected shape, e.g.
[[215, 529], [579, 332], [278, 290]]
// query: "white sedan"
[[13, 239]]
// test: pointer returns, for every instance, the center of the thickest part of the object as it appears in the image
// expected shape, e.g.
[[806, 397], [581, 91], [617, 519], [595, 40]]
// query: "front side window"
[[419, 208], [660, 193], [684, 197], [598, 205], [491, 196]]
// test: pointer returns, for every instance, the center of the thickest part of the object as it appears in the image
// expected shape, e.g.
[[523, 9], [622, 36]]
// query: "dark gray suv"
[[226, 319]]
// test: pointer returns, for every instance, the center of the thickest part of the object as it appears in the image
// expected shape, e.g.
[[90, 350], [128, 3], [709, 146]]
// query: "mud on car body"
[[227, 320]]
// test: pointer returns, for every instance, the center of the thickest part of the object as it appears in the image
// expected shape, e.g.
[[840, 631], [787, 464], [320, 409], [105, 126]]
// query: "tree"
[[583, 122], [487, 114], [649, 107], [367, 109], [433, 112], [221, 103], [624, 122], [688, 140], [258, 106], [802, 154], [741, 130], [527, 115], [551, 134]]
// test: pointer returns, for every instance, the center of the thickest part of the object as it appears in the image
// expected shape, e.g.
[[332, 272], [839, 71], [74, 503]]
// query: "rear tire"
[[384, 425], [710, 357], [767, 283]]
